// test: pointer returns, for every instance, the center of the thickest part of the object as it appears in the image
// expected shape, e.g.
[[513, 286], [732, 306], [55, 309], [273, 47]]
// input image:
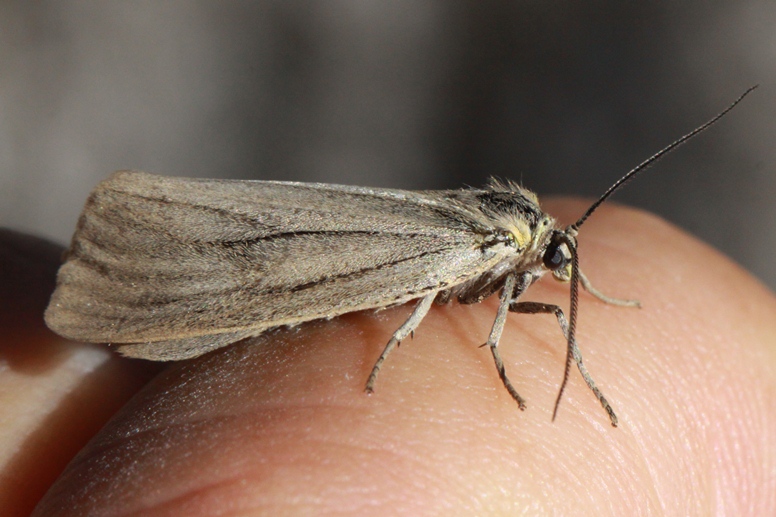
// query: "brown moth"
[[172, 268]]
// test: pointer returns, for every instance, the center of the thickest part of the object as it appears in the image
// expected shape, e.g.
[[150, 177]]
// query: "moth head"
[[557, 256]]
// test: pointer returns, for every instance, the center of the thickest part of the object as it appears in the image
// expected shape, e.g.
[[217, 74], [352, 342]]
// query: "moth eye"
[[554, 259]]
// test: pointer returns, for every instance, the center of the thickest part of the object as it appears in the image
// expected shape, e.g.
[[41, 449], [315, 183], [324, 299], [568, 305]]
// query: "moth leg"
[[495, 334], [604, 298], [545, 308], [408, 328]]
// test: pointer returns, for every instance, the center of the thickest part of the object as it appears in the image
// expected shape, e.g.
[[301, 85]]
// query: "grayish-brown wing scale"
[[186, 262]]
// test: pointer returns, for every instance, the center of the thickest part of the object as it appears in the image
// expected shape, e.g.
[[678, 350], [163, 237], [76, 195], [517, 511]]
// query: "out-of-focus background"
[[562, 96]]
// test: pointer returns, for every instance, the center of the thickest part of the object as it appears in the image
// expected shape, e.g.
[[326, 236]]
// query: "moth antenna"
[[655, 157], [572, 230], [570, 338]]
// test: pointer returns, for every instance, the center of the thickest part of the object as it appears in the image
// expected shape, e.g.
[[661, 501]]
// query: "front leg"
[[544, 308], [604, 298]]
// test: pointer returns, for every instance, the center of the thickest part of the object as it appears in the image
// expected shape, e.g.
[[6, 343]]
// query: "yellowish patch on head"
[[563, 275]]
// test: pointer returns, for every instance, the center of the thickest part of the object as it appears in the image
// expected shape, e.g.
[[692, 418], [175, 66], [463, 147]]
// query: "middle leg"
[[545, 308]]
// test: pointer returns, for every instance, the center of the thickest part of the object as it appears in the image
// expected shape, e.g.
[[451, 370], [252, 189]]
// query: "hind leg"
[[402, 332]]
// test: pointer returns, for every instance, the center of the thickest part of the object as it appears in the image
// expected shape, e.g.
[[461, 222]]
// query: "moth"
[[172, 268]]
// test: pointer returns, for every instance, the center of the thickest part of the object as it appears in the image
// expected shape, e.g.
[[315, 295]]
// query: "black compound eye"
[[554, 257]]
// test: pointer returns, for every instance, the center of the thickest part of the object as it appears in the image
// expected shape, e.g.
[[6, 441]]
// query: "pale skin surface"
[[282, 426]]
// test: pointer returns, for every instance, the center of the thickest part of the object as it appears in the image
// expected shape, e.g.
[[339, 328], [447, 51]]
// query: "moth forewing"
[[158, 260]]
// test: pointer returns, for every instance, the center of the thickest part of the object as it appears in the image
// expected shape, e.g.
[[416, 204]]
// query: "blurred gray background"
[[409, 94]]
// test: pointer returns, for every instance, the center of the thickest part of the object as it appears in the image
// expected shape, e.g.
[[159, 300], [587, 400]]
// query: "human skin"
[[281, 425]]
